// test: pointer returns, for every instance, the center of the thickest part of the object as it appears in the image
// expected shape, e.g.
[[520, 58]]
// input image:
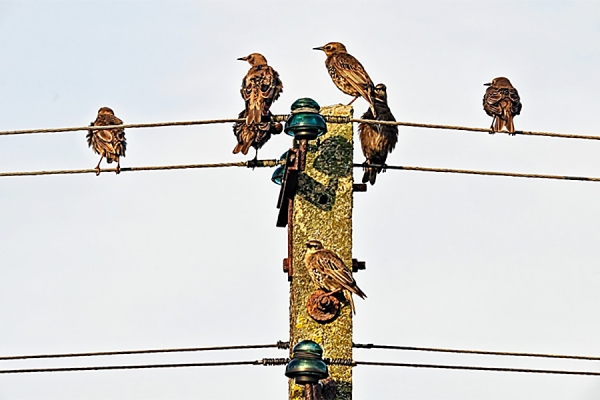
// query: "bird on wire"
[[376, 140], [109, 143], [260, 88], [502, 102], [328, 272], [348, 74]]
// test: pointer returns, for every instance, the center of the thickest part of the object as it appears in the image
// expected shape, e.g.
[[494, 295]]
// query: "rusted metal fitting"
[[323, 307]]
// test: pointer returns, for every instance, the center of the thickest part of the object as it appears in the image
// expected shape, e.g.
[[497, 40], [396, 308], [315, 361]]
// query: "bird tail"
[[348, 296], [504, 121], [370, 175], [371, 99]]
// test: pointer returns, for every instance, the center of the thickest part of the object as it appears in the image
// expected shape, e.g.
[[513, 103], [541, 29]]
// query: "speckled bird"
[[260, 88], [377, 141], [348, 74], [255, 135], [329, 272], [109, 143], [502, 102]]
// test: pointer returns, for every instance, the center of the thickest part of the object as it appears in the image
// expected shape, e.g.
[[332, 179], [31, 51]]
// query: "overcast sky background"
[[193, 258]]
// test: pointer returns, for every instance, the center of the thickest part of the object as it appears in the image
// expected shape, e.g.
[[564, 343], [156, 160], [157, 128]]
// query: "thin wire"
[[476, 172], [123, 126], [482, 352], [471, 129], [249, 164], [279, 345], [264, 362], [332, 119], [473, 368]]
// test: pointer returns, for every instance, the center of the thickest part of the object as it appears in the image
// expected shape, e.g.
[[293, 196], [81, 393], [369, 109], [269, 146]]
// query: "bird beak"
[[487, 84], [318, 48], [243, 58]]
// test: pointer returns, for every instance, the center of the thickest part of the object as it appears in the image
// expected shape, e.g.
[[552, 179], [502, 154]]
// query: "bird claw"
[[384, 167], [97, 171]]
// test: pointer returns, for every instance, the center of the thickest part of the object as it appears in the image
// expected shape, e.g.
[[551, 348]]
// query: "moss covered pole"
[[316, 204]]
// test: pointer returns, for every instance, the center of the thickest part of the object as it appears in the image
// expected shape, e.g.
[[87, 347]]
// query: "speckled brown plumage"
[[377, 141], [328, 272], [254, 135], [502, 102], [260, 88], [347, 73], [109, 143]]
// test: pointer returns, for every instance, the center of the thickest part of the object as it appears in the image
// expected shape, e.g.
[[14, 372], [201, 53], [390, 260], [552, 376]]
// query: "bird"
[[260, 88], [348, 74], [502, 102], [328, 272], [255, 135], [377, 141], [109, 143]]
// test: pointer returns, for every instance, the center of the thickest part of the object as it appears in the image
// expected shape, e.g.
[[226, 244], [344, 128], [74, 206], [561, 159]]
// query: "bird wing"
[[355, 74], [491, 102], [108, 135], [516, 101], [335, 268]]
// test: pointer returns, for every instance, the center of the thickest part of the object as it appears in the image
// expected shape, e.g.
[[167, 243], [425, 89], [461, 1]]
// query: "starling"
[[377, 140], [329, 272], [348, 74], [502, 102], [109, 143], [260, 88], [255, 135]]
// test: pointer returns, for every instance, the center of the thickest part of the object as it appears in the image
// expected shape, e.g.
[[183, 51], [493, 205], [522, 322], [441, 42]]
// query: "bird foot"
[[384, 167], [118, 169], [97, 171]]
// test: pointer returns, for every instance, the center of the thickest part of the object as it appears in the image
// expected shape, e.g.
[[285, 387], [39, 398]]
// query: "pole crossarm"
[[478, 172]]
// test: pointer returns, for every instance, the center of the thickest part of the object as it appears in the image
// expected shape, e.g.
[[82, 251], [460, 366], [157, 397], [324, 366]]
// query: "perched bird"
[[329, 272], [109, 143], [260, 88], [255, 135], [348, 74], [502, 102], [377, 140]]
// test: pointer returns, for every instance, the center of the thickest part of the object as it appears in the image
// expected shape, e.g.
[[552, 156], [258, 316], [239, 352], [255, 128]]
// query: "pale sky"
[[193, 258]]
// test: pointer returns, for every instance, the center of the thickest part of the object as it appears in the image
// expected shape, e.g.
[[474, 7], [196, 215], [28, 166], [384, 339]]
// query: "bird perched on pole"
[[109, 143], [502, 102], [260, 88], [329, 272], [377, 141], [348, 74]]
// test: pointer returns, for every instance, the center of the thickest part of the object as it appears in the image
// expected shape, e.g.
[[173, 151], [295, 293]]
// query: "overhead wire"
[[479, 172], [333, 119], [278, 345], [478, 352], [248, 164]]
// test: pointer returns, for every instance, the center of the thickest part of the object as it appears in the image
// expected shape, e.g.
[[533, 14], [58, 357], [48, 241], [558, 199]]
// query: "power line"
[[249, 164], [474, 368], [481, 352], [145, 125], [471, 129], [264, 362], [476, 172], [333, 119], [278, 345]]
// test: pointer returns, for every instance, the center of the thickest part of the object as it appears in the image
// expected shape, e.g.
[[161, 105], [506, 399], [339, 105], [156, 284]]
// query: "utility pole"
[[315, 203]]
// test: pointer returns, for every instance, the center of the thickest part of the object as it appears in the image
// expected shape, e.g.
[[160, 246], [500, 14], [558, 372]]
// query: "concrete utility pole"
[[316, 204]]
